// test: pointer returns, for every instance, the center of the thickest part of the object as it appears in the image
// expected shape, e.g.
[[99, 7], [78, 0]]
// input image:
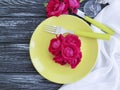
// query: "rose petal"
[[59, 59], [73, 63], [69, 51], [70, 38], [54, 47]]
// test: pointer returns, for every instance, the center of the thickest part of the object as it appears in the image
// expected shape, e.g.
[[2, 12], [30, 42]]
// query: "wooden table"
[[18, 19]]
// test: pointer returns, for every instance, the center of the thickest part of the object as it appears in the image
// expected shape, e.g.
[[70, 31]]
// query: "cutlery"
[[95, 23], [61, 30]]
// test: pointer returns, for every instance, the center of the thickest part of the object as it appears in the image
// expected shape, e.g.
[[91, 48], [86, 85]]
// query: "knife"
[[95, 23]]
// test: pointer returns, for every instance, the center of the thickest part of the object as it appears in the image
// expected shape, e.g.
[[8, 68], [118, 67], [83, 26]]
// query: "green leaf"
[[45, 4], [81, 0]]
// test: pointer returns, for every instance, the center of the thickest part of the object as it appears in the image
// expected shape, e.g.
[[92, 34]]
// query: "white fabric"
[[106, 74]]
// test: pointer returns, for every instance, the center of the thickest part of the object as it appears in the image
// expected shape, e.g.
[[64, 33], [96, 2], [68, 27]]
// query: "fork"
[[61, 30]]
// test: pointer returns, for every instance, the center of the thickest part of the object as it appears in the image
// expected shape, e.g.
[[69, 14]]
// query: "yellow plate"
[[42, 59]]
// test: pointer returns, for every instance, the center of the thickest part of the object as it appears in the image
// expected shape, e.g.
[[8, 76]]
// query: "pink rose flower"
[[73, 63], [55, 45], [73, 39], [56, 8], [66, 50], [73, 5], [69, 51]]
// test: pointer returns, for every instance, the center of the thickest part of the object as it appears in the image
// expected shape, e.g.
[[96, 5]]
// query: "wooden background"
[[18, 19]]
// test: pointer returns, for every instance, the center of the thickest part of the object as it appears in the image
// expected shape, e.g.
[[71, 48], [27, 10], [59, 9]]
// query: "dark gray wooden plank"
[[21, 2], [17, 29], [15, 34], [15, 58], [25, 82], [22, 8]]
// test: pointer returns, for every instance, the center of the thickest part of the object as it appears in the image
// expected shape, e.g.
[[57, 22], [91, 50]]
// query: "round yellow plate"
[[42, 59]]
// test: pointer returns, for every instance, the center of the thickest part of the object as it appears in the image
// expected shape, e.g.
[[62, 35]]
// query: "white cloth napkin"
[[106, 74]]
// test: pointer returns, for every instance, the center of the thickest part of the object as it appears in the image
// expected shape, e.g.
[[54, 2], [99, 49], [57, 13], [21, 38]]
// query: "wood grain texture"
[[25, 82], [17, 30], [15, 58], [16, 8], [17, 72]]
